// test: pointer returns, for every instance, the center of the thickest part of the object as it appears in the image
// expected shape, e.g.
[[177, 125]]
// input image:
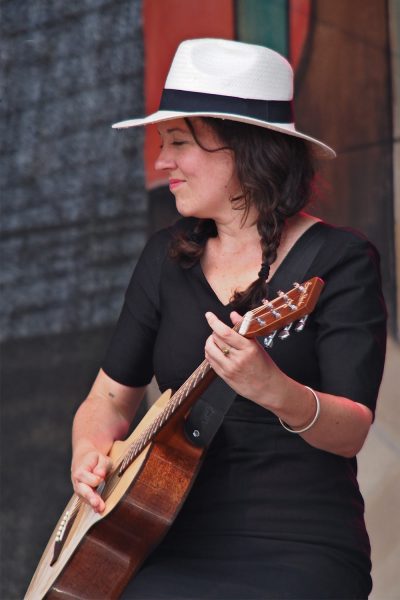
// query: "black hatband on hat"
[[273, 111]]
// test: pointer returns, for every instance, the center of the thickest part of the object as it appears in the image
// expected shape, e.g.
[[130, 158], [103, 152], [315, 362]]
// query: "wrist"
[[302, 407], [310, 424], [275, 394], [81, 448]]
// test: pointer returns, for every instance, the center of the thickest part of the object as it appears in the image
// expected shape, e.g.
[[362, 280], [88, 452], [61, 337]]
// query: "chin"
[[186, 211], [183, 212]]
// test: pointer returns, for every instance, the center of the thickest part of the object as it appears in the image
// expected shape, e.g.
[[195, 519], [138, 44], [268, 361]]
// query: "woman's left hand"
[[242, 363], [342, 424]]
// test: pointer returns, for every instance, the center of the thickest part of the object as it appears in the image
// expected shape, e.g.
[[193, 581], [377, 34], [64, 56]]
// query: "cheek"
[[223, 164], [224, 175], [209, 171]]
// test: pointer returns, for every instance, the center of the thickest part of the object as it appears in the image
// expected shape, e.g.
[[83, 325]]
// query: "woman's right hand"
[[88, 471], [104, 416]]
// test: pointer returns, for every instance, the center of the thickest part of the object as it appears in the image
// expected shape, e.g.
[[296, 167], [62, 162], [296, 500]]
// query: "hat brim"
[[321, 150]]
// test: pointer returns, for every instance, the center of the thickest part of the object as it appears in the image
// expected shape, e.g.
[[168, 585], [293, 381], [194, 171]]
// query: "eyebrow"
[[172, 129]]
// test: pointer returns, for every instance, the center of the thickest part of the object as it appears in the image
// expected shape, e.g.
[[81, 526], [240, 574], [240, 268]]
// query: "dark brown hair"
[[276, 172]]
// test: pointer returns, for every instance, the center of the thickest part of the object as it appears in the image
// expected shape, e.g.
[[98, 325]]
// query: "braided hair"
[[275, 172]]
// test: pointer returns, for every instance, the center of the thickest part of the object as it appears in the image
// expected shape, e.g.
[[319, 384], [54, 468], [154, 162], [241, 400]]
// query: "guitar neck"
[[199, 380]]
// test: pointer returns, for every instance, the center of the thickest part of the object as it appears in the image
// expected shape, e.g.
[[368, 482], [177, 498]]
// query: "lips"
[[174, 183]]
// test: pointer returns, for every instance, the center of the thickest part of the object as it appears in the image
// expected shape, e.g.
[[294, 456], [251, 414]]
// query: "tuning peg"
[[286, 298], [269, 340], [275, 313], [301, 323], [285, 332], [299, 287]]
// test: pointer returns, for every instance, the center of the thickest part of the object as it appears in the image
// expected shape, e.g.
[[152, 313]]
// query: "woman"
[[275, 511]]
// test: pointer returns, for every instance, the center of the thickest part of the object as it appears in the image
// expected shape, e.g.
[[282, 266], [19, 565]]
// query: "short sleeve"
[[129, 357], [351, 324]]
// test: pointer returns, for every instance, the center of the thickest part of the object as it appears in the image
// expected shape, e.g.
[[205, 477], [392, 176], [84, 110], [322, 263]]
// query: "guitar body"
[[102, 552]]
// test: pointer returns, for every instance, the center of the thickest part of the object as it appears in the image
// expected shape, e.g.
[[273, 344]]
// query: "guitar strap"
[[207, 414]]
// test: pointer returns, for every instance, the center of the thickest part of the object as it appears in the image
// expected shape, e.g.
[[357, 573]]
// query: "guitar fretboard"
[[173, 404]]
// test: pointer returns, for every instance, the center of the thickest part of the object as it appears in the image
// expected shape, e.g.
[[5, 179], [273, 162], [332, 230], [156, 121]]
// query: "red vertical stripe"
[[299, 20], [166, 24]]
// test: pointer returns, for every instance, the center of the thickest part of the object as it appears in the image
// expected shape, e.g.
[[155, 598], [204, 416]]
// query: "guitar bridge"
[[62, 533]]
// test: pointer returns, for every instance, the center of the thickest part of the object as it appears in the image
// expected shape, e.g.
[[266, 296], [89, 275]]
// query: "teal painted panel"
[[263, 22]]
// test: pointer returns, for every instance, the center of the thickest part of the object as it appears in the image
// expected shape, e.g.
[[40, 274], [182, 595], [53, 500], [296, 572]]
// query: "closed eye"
[[173, 144]]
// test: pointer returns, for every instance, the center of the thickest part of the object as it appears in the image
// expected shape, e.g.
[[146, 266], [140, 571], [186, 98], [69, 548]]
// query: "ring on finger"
[[225, 351]]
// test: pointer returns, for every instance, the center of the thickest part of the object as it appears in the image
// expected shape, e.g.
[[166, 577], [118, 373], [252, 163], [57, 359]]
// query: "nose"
[[164, 161]]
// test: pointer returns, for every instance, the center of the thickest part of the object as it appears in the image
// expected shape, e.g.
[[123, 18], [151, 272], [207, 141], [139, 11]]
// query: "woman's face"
[[202, 182]]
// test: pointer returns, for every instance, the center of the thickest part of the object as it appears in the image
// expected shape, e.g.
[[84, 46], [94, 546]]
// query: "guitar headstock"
[[283, 311]]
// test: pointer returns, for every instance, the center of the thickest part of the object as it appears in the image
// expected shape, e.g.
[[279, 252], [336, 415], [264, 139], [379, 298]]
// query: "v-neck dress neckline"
[[299, 243]]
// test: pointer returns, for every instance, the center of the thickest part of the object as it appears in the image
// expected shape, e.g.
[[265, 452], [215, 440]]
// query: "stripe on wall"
[[165, 24], [263, 22]]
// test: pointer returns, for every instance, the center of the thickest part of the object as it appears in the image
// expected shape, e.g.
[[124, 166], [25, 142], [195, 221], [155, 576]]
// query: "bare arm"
[[105, 416], [342, 425]]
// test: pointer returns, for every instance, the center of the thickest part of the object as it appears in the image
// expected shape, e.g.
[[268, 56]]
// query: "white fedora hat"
[[231, 80]]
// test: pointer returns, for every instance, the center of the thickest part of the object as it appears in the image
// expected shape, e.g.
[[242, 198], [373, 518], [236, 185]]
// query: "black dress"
[[269, 516]]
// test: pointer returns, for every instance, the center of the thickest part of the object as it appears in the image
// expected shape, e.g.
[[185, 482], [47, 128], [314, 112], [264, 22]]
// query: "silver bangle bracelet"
[[307, 427]]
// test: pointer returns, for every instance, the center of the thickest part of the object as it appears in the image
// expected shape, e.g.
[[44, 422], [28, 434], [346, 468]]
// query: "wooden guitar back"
[[113, 548]]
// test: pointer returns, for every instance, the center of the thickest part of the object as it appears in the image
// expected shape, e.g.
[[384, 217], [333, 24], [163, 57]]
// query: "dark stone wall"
[[73, 206], [74, 219]]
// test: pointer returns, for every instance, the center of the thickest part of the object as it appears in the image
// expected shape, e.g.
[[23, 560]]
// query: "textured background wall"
[[73, 222], [73, 209]]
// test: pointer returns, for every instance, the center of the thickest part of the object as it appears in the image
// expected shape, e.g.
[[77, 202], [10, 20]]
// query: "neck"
[[234, 232]]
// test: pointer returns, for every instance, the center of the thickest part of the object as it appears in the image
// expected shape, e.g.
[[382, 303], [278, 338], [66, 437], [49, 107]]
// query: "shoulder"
[[349, 264], [341, 243], [159, 243], [160, 239], [347, 261], [156, 250], [346, 235]]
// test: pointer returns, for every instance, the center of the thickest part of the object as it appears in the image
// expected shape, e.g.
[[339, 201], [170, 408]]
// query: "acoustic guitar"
[[92, 556]]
